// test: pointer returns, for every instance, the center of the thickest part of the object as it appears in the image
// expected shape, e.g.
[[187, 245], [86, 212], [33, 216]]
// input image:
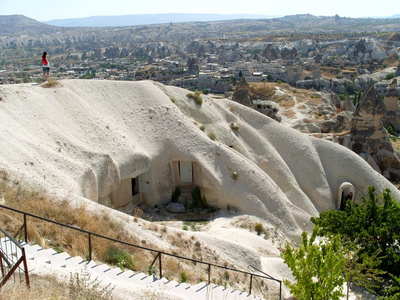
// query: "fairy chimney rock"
[[348, 104], [391, 101], [368, 115], [369, 137], [241, 95]]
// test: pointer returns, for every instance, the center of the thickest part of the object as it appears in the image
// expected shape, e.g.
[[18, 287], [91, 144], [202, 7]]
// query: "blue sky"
[[45, 10]]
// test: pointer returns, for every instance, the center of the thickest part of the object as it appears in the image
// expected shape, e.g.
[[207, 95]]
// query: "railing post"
[[251, 282], [159, 262], [90, 247], [280, 290], [2, 267], [209, 274], [25, 229], [26, 269]]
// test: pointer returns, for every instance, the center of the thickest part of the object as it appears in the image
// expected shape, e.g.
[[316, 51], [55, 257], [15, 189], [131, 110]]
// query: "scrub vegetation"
[[359, 245]]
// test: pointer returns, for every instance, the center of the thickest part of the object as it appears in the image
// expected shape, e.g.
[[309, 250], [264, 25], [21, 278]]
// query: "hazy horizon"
[[45, 10]]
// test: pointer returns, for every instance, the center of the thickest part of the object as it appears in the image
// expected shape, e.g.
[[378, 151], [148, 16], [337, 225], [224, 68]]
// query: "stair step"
[[59, 259], [114, 272], [36, 252], [99, 269], [75, 262], [91, 264], [104, 271], [172, 283], [124, 276], [143, 279]]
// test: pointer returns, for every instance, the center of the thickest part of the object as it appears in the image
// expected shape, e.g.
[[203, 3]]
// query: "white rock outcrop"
[[109, 141]]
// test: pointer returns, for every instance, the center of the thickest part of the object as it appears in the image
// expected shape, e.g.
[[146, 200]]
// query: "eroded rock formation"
[[241, 94], [368, 136]]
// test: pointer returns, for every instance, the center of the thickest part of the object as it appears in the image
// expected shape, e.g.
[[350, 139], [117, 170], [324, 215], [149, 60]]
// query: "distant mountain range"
[[161, 29], [12, 24], [148, 19]]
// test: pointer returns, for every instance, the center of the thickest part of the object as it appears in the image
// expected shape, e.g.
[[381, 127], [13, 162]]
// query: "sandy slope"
[[83, 139]]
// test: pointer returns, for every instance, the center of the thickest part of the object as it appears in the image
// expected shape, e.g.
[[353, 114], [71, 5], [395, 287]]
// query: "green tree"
[[317, 267], [390, 130], [394, 292], [360, 269], [370, 227]]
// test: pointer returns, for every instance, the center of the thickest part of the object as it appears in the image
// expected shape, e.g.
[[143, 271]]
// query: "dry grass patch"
[[262, 90], [285, 101], [289, 113], [78, 286], [52, 235], [42, 287], [52, 83]]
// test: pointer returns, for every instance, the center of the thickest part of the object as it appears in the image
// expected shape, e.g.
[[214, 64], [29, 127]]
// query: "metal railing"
[[12, 255], [159, 253]]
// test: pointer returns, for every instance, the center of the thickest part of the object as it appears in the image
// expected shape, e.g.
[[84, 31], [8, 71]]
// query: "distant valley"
[[147, 19]]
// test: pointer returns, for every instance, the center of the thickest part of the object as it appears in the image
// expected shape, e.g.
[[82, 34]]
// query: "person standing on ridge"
[[46, 66]]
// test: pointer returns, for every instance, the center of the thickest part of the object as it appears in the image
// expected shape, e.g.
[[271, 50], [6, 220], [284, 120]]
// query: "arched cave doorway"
[[346, 193]]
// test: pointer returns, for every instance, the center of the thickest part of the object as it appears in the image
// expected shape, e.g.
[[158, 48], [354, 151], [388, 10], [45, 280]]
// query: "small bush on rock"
[[390, 130], [259, 228], [184, 277], [234, 126], [120, 258], [212, 136], [175, 195], [198, 200], [196, 97]]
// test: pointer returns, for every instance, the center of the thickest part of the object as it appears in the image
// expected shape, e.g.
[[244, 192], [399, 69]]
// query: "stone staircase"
[[49, 261]]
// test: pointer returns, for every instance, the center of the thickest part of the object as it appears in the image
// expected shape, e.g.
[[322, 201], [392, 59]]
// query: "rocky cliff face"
[[322, 114], [368, 136]]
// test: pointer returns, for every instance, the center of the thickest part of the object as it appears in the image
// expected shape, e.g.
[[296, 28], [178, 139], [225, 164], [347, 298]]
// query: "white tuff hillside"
[[108, 143]]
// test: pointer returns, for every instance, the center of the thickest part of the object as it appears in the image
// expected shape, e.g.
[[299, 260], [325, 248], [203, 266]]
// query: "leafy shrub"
[[198, 200], [151, 270], [120, 258], [317, 267], [390, 130], [259, 228], [389, 76], [175, 195], [370, 226], [184, 277], [342, 97], [279, 81]]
